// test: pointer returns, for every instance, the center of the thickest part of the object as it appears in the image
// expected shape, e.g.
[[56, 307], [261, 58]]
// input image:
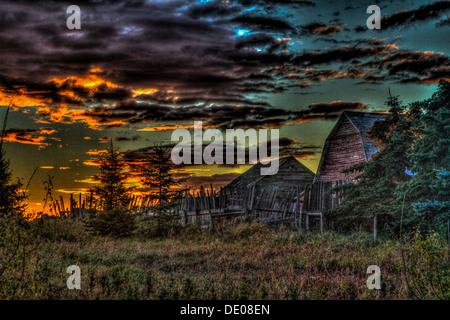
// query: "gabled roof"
[[361, 121], [253, 174]]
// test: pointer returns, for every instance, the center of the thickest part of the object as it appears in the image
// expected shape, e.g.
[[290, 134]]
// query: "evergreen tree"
[[430, 155], [158, 176], [114, 219], [112, 193], [164, 188], [11, 197], [374, 193]]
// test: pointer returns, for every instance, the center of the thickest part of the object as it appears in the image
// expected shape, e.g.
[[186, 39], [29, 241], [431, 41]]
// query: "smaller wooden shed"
[[291, 175]]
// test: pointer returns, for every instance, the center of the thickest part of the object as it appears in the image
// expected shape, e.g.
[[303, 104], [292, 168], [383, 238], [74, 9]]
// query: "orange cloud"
[[47, 131], [166, 127], [22, 98], [146, 91], [75, 190], [67, 115], [95, 70], [68, 96], [25, 136], [88, 81], [90, 163], [88, 180], [96, 152]]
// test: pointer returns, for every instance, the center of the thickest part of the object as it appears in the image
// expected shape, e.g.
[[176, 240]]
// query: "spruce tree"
[[8, 191], [114, 219], [164, 188], [430, 155], [11, 197], [112, 193], [374, 193]]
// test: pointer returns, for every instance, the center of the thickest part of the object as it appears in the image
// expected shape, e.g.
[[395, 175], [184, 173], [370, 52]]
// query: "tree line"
[[406, 184]]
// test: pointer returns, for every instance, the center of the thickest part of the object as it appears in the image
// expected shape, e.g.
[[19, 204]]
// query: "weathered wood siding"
[[345, 149], [289, 175]]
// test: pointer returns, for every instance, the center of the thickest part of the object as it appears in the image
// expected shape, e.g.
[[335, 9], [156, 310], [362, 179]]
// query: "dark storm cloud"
[[320, 28], [328, 110], [354, 42], [164, 44], [212, 9], [218, 116], [406, 17], [334, 107], [123, 139], [443, 23], [424, 13], [420, 67], [262, 23], [55, 93], [301, 3], [192, 57], [287, 147], [343, 54], [263, 40], [103, 93], [291, 147], [47, 92]]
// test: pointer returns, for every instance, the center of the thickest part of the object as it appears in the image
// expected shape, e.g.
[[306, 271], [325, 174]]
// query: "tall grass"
[[249, 261]]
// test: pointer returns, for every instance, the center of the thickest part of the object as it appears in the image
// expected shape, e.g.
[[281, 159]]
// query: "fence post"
[[321, 222], [72, 212], [375, 231]]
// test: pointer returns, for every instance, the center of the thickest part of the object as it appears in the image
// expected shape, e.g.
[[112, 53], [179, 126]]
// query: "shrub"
[[152, 226], [20, 276], [427, 265], [56, 229], [117, 222]]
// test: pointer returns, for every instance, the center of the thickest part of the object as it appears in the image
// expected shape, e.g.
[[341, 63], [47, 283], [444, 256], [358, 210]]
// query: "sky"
[[137, 70]]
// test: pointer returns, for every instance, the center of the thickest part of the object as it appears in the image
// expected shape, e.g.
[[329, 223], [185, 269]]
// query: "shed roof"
[[253, 174]]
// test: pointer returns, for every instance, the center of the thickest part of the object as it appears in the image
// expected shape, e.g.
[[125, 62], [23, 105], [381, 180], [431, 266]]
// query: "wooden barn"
[[254, 189], [346, 145]]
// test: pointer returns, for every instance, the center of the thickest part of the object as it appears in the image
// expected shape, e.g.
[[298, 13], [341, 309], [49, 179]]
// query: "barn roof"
[[253, 174], [361, 121]]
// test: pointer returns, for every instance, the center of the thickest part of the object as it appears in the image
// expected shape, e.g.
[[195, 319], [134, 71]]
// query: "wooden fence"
[[216, 208], [79, 205], [318, 199]]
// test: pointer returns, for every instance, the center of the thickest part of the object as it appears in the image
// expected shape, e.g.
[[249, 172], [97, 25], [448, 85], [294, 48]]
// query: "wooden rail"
[[209, 206]]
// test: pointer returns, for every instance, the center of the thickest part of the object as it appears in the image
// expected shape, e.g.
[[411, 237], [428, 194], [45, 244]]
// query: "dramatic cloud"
[[320, 28], [407, 17], [175, 61], [28, 136], [420, 67], [331, 110]]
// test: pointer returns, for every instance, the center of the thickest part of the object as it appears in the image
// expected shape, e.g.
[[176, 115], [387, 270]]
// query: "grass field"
[[249, 261]]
